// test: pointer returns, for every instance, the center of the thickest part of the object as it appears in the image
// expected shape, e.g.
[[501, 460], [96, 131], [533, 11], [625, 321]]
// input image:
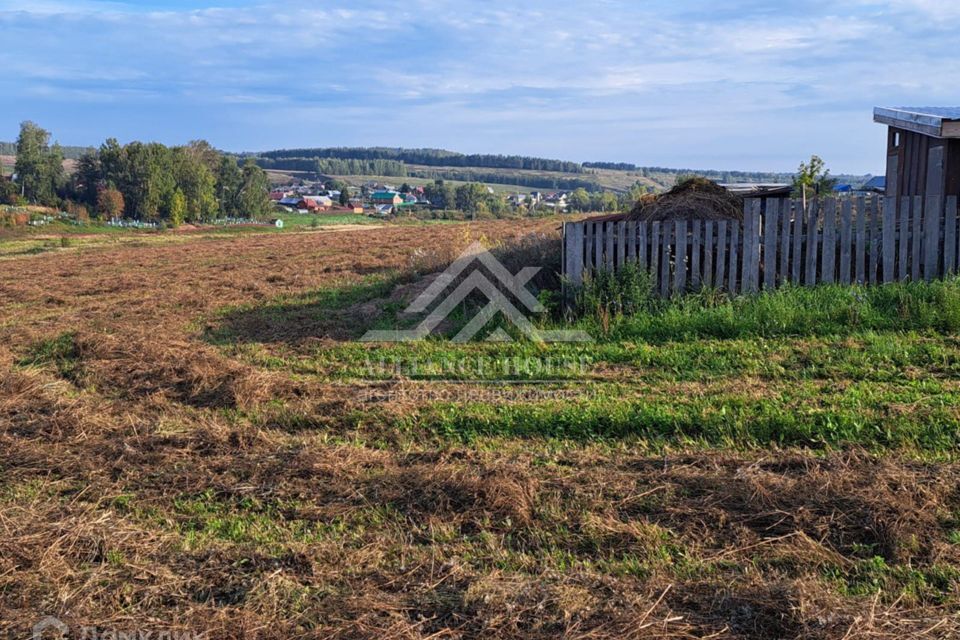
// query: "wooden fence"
[[858, 240]]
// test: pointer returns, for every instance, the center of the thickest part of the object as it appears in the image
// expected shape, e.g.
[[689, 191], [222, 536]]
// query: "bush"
[[606, 295]]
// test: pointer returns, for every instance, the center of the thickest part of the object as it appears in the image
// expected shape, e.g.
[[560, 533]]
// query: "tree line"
[[522, 180], [69, 153], [429, 157], [335, 166], [148, 181]]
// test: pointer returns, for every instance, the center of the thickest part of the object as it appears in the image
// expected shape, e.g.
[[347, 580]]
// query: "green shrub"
[[607, 295]]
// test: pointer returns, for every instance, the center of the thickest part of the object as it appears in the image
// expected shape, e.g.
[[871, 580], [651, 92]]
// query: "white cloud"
[[485, 72]]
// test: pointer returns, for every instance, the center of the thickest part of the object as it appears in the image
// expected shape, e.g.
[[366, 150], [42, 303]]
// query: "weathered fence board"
[[770, 225], [644, 240], [889, 237], [853, 240], [950, 236], [813, 228], [695, 251], [732, 266], [861, 257], [846, 240], [829, 253], [708, 252], [680, 266], [799, 213], [931, 237], [721, 253], [665, 239], [904, 230], [917, 213], [785, 215], [874, 222]]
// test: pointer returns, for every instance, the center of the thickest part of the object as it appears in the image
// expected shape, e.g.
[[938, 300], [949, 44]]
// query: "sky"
[[739, 84]]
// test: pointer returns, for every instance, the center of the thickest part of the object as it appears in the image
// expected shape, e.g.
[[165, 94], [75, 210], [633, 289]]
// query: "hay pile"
[[693, 199]]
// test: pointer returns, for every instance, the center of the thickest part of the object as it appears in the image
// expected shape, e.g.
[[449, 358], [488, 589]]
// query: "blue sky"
[[742, 84]]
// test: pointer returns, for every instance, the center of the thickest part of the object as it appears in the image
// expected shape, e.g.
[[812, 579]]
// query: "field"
[[192, 439], [23, 241]]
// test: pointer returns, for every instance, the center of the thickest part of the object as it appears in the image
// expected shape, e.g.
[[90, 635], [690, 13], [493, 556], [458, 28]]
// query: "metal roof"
[[939, 122]]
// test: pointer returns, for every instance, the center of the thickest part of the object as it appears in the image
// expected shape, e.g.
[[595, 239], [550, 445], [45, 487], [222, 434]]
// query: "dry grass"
[[145, 485]]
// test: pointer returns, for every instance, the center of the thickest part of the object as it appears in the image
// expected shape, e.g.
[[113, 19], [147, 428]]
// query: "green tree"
[[345, 196], [54, 176], [88, 178], [37, 177], [813, 178], [255, 191], [229, 183], [113, 163], [604, 201], [579, 200], [470, 196], [9, 194], [198, 183], [178, 208]]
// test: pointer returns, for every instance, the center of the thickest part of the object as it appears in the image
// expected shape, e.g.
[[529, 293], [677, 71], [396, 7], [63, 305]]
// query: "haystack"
[[693, 199]]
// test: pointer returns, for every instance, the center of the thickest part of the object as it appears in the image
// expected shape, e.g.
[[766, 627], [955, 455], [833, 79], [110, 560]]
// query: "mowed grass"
[[203, 444], [827, 367]]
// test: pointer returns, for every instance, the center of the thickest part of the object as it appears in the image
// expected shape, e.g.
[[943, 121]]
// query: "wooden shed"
[[923, 150]]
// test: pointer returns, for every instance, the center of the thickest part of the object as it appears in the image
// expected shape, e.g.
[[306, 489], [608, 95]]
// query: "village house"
[[314, 204], [391, 198]]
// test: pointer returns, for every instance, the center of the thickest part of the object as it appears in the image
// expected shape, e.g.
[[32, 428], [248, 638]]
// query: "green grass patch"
[[60, 352], [824, 367]]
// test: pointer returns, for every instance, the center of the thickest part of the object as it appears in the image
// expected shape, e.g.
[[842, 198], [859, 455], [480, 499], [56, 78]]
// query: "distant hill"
[[428, 157], [521, 171]]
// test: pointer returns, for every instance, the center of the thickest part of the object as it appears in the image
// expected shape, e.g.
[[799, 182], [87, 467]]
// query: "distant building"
[[313, 204], [876, 184], [391, 198]]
